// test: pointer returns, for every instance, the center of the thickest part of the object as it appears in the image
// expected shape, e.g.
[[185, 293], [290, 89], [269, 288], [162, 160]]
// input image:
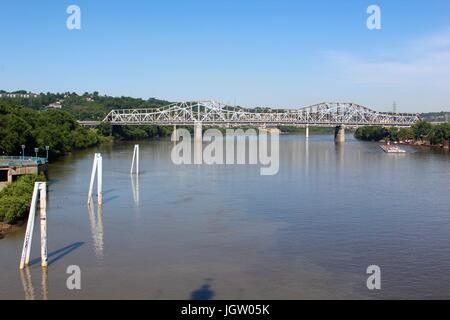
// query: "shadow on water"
[[58, 254], [203, 293], [109, 199], [108, 191]]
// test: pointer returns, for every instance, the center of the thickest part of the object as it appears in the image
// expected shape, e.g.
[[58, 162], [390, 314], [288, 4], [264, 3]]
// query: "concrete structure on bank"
[[13, 167]]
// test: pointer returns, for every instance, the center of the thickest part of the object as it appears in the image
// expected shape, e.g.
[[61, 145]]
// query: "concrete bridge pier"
[[198, 136], [307, 132], [273, 131], [339, 134], [174, 134], [269, 130]]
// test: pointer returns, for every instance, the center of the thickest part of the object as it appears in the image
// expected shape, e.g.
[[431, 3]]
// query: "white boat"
[[392, 149]]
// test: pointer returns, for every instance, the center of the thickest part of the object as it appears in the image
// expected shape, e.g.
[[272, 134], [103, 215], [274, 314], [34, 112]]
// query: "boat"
[[392, 149]]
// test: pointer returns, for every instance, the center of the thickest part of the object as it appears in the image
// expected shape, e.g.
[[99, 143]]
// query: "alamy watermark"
[[73, 282], [374, 19], [374, 280], [235, 147], [73, 21]]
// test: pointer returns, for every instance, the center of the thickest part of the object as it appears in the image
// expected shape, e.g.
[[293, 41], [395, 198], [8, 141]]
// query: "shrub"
[[368, 133], [15, 199]]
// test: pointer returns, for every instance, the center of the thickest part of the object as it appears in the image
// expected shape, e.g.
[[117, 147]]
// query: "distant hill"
[[89, 106], [96, 107]]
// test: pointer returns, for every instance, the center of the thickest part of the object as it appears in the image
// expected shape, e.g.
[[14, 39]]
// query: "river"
[[227, 232]]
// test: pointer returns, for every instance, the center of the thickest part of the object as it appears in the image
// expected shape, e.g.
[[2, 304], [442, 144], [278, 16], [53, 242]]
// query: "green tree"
[[54, 128], [405, 134], [15, 199], [371, 133], [105, 129], [14, 132], [392, 134], [421, 129], [439, 133]]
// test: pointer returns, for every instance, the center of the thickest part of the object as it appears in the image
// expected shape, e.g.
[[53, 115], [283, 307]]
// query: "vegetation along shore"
[[423, 133]]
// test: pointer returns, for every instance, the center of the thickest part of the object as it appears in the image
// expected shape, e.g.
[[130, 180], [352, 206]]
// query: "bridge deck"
[[214, 113]]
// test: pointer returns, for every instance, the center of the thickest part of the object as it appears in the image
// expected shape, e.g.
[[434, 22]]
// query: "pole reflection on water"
[[96, 224], [306, 154], [27, 284], [135, 187], [44, 274]]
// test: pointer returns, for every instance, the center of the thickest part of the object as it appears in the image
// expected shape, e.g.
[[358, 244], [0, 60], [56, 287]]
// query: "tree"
[[54, 128], [405, 134], [439, 133], [14, 132], [369, 133], [392, 134], [105, 129], [421, 129], [15, 199]]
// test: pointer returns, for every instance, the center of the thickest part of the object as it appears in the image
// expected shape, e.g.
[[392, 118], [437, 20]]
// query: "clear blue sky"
[[270, 53]]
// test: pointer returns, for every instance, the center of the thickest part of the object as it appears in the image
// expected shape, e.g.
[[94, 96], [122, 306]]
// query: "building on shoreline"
[[11, 167]]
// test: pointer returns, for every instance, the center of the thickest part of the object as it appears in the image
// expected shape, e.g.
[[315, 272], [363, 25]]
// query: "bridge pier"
[[273, 131], [198, 136], [339, 134], [307, 132], [174, 134], [269, 130]]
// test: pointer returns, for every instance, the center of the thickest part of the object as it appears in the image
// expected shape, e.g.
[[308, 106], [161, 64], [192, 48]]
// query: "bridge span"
[[212, 113]]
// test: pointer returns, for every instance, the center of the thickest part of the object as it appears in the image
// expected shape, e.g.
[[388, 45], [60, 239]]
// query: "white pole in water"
[[134, 157], [137, 160], [25, 258], [43, 209], [99, 179], [91, 185]]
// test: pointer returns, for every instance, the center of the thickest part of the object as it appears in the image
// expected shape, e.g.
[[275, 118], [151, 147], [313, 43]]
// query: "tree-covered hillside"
[[96, 107], [57, 129], [89, 106]]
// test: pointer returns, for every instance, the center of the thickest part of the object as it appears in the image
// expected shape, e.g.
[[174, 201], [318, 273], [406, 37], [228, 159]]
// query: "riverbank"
[[6, 228], [422, 133], [425, 145]]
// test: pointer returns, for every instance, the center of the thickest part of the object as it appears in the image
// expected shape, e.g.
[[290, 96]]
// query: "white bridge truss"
[[211, 113]]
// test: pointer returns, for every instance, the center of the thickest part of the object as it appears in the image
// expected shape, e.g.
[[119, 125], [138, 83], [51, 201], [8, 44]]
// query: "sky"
[[274, 53]]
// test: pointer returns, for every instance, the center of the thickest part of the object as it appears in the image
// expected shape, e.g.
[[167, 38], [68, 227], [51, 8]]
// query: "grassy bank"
[[15, 199]]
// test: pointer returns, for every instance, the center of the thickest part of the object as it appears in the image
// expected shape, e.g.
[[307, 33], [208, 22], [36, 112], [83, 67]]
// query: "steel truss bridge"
[[211, 113]]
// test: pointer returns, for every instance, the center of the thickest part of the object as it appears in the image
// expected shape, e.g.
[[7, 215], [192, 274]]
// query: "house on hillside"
[[55, 105]]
